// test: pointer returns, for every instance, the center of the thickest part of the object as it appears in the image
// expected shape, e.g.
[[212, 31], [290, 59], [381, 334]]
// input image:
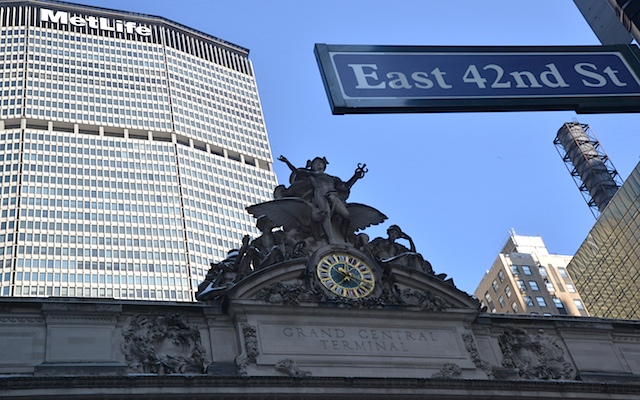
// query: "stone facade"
[[269, 337]]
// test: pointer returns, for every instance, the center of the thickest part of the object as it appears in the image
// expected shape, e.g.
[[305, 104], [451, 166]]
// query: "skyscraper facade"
[[527, 279], [606, 267], [129, 147]]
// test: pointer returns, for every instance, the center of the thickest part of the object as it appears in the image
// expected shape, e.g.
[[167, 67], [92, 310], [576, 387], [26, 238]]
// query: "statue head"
[[317, 164], [394, 232]]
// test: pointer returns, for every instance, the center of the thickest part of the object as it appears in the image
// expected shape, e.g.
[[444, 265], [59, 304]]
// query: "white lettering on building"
[[98, 23]]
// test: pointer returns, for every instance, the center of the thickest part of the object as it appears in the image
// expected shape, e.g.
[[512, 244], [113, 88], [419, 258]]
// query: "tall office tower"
[[606, 267], [526, 279], [588, 164], [613, 21], [129, 147]]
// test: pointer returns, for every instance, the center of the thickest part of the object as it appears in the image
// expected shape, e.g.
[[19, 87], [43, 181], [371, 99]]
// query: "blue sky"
[[456, 182]]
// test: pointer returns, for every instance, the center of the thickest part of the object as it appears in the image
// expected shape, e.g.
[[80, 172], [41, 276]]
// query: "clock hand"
[[351, 275], [345, 275]]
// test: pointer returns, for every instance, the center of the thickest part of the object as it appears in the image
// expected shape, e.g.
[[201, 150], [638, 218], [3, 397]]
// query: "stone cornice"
[[201, 387]]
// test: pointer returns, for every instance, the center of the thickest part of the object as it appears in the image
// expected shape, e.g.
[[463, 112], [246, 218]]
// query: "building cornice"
[[147, 18]]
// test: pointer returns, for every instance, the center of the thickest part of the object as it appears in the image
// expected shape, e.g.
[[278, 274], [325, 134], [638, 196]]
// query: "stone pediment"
[[295, 283]]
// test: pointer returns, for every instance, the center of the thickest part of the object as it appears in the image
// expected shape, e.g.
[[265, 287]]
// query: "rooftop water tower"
[[588, 164]]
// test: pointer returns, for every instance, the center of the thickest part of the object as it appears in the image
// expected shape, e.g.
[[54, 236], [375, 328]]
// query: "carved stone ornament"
[[162, 345], [472, 348], [287, 293], [296, 293], [425, 300], [448, 371], [533, 356], [290, 368], [251, 352]]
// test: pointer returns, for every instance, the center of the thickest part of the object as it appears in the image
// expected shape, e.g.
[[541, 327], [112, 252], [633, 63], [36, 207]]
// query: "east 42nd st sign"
[[395, 79]]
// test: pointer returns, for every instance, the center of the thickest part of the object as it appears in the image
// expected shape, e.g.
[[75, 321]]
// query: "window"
[[533, 285], [487, 296], [550, 287], [507, 291], [541, 301], [501, 301], [514, 307], [570, 288], [494, 284], [528, 301], [514, 270], [501, 276], [542, 271], [521, 285], [563, 272], [578, 304], [558, 302], [526, 270]]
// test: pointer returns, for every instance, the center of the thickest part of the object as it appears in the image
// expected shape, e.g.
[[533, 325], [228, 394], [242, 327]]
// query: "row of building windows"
[[116, 87], [69, 227], [142, 148], [108, 241], [540, 302], [125, 49], [61, 265], [89, 118], [93, 205], [102, 253], [155, 77], [152, 294], [526, 270], [97, 194], [534, 286], [111, 279], [115, 184], [129, 45]]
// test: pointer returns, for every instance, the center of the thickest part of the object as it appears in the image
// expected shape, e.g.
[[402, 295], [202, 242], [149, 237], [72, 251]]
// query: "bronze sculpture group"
[[310, 213]]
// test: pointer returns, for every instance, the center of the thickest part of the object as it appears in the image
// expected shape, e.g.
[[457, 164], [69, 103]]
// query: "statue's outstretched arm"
[[411, 245], [286, 161], [358, 174]]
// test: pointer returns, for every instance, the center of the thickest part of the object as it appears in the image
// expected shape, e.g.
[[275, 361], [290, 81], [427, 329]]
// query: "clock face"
[[346, 275]]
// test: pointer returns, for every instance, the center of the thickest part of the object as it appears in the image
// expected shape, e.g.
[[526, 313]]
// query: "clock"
[[346, 275]]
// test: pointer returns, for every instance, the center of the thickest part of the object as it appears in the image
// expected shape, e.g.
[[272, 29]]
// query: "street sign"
[[401, 79]]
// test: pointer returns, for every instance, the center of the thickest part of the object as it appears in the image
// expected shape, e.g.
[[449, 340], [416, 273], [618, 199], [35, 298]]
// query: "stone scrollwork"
[[472, 348], [290, 368], [448, 371], [296, 293], [251, 351], [286, 293], [426, 300], [533, 356], [162, 345]]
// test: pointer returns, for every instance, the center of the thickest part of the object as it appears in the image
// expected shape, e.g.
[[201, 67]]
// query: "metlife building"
[[129, 147]]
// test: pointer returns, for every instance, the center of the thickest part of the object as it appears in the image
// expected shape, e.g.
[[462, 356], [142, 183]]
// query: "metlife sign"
[[396, 79], [100, 24]]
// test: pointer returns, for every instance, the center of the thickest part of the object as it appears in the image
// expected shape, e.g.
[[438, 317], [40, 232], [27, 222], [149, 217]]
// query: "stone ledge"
[[222, 369], [618, 377], [80, 369]]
